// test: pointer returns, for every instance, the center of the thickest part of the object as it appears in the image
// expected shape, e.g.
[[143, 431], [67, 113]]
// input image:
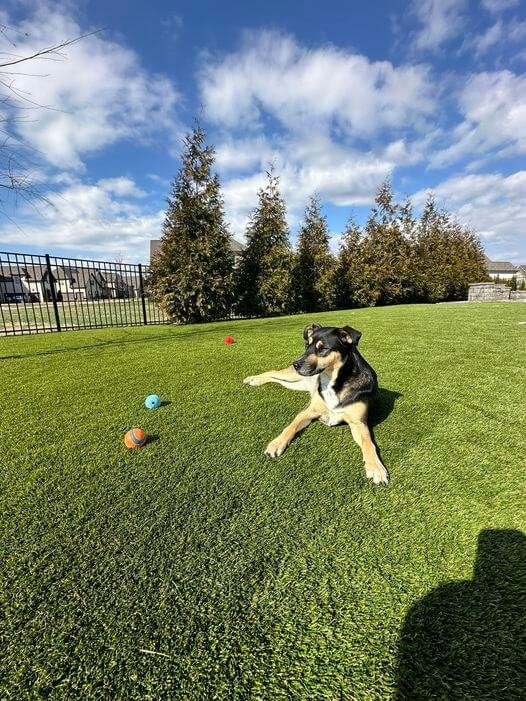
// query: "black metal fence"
[[42, 294]]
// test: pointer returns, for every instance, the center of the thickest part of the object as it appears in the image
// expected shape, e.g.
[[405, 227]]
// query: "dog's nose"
[[296, 365]]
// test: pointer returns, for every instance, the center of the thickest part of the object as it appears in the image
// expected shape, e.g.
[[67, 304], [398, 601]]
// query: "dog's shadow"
[[382, 404]]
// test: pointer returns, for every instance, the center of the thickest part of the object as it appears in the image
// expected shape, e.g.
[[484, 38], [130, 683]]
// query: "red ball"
[[229, 340]]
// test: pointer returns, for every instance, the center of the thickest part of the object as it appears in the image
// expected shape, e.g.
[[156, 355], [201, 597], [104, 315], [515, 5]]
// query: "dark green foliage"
[[397, 258], [522, 286], [191, 275], [448, 256], [265, 270], [512, 283], [195, 569], [348, 277], [387, 252], [315, 264]]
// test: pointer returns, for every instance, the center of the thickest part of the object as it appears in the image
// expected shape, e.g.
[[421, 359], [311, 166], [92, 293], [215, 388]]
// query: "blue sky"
[[338, 96]]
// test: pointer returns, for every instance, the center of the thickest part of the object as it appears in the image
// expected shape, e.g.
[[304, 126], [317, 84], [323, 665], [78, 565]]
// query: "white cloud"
[[340, 175], [501, 34], [496, 6], [99, 93], [121, 186], [272, 75], [492, 204], [494, 109], [440, 20], [489, 38], [304, 110], [89, 218], [244, 154]]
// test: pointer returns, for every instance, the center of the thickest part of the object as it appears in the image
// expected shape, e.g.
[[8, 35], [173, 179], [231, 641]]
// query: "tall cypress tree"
[[387, 251], [191, 275], [448, 256], [315, 263], [348, 278], [265, 270]]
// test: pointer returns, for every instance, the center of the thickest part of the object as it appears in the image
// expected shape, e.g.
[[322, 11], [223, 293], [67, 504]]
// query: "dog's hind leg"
[[288, 377], [356, 416]]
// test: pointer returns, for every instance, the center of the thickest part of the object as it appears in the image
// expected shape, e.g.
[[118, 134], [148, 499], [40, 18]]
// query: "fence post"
[[141, 287], [53, 291]]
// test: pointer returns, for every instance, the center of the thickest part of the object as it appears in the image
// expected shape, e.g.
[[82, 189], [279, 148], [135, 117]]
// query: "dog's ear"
[[309, 330], [349, 335]]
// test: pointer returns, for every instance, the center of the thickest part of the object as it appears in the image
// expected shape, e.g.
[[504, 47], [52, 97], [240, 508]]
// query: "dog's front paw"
[[377, 473], [253, 381], [275, 448]]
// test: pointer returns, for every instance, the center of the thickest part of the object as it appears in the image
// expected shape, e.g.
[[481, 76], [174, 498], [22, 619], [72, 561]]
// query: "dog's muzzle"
[[305, 368]]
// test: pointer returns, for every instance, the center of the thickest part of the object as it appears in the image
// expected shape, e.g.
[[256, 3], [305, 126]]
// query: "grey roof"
[[34, 272], [154, 247], [235, 246], [78, 276], [499, 266]]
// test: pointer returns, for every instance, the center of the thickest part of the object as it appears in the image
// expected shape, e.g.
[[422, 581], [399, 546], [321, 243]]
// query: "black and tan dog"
[[341, 384]]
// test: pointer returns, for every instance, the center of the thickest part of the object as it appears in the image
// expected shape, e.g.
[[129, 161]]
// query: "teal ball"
[[152, 401]]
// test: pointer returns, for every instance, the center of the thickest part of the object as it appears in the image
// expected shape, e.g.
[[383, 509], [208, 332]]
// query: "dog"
[[341, 384]]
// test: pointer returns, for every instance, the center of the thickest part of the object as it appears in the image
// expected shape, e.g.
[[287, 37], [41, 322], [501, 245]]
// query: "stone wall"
[[490, 292]]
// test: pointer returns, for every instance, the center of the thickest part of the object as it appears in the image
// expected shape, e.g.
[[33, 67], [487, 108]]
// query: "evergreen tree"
[[265, 269], [387, 251], [448, 256], [191, 275], [348, 277], [314, 274]]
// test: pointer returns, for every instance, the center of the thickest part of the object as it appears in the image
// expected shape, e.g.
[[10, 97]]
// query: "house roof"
[[235, 246], [499, 266], [78, 276], [34, 272]]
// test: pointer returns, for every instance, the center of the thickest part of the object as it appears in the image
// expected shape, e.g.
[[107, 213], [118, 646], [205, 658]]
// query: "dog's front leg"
[[278, 446], [356, 417], [288, 377]]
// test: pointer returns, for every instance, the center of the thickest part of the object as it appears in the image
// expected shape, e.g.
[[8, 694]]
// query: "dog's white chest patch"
[[327, 392]]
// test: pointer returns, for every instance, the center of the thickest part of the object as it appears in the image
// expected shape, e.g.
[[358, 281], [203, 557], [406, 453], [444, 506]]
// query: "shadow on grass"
[[382, 405], [125, 341], [467, 640]]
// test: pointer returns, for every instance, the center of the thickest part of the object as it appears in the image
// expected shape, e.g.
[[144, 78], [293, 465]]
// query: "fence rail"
[[43, 294]]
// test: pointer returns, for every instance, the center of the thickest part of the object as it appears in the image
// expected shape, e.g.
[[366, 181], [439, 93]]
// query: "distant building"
[[235, 247], [521, 273], [501, 269]]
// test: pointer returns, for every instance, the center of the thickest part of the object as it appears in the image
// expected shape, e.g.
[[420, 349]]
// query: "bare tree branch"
[[17, 172], [50, 50]]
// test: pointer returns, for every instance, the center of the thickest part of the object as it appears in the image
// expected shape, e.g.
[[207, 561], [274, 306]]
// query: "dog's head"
[[326, 347]]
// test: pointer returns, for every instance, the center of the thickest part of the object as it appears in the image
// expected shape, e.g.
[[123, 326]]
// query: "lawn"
[[197, 569], [27, 317]]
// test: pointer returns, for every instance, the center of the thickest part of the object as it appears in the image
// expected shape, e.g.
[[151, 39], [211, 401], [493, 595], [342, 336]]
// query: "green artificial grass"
[[195, 568], [21, 318]]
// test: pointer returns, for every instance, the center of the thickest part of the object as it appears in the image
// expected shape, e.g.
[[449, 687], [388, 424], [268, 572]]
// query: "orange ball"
[[135, 438]]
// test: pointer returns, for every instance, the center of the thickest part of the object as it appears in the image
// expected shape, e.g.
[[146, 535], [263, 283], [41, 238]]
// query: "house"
[[35, 280], [75, 283], [521, 273], [11, 287], [235, 247], [118, 286], [501, 269]]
